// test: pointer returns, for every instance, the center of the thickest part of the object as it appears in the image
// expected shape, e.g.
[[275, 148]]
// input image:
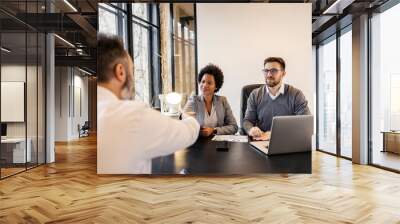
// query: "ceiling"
[[76, 22], [325, 13]]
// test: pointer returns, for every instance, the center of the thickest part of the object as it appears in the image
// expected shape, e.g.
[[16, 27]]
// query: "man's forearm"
[[247, 125]]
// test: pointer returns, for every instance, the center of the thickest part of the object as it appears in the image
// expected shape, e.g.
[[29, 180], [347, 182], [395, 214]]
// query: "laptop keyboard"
[[261, 145]]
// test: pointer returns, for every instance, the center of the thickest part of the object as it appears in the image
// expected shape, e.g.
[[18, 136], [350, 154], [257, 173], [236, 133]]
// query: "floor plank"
[[70, 191]]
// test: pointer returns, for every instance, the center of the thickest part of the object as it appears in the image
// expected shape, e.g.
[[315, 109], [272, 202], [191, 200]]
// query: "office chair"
[[84, 130], [246, 90]]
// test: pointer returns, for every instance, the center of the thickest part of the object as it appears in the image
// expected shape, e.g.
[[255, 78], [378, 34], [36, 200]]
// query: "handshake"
[[259, 135], [255, 132], [185, 115], [204, 131]]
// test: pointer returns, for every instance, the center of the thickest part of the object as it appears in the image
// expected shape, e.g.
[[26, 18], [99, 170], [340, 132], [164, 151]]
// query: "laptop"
[[289, 134]]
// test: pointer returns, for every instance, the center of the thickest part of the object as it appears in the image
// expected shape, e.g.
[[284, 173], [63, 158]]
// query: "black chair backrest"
[[86, 125], [246, 90]]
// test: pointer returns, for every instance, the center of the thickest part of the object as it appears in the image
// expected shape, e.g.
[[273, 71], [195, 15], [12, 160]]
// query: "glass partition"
[[15, 149], [22, 77]]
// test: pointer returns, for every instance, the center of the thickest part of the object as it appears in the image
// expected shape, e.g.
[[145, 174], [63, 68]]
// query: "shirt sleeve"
[[164, 135]]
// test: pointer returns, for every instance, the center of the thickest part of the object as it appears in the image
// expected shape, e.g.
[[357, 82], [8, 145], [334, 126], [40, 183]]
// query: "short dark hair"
[[215, 71], [275, 59], [110, 50]]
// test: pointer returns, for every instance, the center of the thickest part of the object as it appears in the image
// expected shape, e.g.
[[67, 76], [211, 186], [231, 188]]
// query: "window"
[[327, 96], [108, 20], [140, 10], [385, 87], [335, 74], [346, 93], [112, 20], [143, 45], [184, 52], [141, 51], [141, 61]]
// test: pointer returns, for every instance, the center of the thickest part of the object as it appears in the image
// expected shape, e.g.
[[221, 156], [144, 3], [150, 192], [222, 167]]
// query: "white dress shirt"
[[210, 120], [280, 91], [130, 134]]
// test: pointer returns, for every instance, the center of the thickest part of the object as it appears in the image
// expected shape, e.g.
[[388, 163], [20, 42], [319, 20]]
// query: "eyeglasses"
[[273, 71]]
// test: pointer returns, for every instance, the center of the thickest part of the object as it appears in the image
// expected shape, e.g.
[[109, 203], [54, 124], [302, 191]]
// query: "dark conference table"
[[203, 158]]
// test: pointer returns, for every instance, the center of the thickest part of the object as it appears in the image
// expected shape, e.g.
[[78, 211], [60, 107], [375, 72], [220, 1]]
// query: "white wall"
[[80, 102], [61, 103], [238, 37], [71, 93]]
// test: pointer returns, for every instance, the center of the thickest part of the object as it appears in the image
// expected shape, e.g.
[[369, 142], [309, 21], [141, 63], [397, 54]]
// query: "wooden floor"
[[387, 159], [5, 172], [69, 191]]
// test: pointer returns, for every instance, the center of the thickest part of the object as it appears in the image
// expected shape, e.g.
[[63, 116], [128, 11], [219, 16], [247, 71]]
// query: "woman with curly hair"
[[212, 111]]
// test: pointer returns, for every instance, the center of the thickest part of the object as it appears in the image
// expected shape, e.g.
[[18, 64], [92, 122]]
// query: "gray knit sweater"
[[261, 108]]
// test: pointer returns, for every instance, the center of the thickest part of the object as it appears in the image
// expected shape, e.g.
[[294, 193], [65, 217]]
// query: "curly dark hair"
[[215, 71]]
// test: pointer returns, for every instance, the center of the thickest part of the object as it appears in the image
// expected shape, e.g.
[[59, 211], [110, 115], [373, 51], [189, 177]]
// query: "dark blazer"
[[226, 124]]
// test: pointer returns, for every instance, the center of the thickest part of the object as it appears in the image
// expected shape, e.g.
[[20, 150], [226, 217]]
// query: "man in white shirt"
[[129, 133]]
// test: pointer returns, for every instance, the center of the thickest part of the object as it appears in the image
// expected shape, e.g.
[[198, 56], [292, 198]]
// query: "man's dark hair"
[[215, 71], [275, 59], [110, 51]]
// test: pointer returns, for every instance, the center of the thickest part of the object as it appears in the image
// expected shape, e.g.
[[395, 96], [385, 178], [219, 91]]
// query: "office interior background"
[[372, 67], [48, 88], [49, 70], [48, 82]]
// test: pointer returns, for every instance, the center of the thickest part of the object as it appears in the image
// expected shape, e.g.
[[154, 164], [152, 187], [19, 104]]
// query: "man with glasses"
[[273, 99]]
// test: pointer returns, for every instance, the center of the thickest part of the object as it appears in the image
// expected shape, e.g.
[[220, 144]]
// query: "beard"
[[272, 82], [127, 92]]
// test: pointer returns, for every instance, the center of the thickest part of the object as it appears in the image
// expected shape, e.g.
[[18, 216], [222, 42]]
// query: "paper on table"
[[231, 138]]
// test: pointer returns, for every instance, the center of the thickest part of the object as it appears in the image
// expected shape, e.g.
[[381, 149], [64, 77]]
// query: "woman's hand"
[[205, 131]]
